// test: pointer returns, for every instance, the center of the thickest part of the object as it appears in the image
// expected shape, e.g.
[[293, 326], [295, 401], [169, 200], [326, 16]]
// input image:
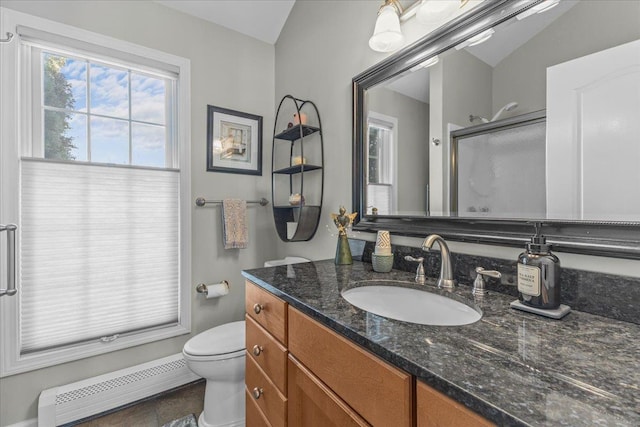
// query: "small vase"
[[343, 252], [382, 263]]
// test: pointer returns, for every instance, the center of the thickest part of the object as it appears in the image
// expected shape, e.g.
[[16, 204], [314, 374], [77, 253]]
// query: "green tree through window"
[[57, 93]]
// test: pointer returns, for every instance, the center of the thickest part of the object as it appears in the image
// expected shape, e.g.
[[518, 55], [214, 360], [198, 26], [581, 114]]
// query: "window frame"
[[16, 125]]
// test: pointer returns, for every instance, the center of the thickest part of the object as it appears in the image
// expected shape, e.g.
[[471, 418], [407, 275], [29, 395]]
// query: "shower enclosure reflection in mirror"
[[587, 182]]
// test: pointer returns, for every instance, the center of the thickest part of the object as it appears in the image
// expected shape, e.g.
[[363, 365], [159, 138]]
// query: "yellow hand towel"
[[235, 234]]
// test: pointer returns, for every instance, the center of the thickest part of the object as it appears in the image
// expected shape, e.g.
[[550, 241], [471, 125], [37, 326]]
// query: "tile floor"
[[155, 411]]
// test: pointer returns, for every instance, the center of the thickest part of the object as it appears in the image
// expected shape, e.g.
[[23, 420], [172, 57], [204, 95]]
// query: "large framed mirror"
[[458, 137]]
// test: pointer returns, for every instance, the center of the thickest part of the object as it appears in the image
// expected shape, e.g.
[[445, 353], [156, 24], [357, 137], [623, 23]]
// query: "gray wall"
[[413, 145], [228, 70], [322, 46]]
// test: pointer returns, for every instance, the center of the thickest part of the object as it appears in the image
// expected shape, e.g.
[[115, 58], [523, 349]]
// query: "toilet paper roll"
[[217, 290]]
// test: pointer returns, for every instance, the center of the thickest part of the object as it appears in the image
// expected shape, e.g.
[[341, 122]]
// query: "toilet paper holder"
[[202, 288]]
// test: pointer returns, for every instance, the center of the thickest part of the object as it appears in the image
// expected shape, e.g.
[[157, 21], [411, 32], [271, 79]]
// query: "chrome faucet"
[[446, 269]]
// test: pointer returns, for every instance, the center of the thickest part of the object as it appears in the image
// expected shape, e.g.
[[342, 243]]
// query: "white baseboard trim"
[[82, 399]]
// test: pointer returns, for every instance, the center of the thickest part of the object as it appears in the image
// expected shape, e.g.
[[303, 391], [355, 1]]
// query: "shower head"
[[510, 106]]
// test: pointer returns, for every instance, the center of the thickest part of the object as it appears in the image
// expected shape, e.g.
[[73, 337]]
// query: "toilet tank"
[[286, 261]]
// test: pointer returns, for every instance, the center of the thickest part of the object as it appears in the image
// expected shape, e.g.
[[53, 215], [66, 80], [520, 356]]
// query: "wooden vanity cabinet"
[[313, 404], [434, 409], [253, 415], [268, 353], [377, 391], [266, 361], [267, 310], [299, 373]]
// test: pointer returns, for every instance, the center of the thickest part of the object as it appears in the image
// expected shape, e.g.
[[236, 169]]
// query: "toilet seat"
[[222, 342], [214, 357]]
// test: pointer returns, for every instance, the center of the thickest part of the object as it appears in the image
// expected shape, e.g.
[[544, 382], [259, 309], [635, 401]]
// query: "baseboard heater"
[[82, 399]]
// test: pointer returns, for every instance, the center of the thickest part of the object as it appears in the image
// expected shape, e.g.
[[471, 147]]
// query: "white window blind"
[[99, 251], [380, 197]]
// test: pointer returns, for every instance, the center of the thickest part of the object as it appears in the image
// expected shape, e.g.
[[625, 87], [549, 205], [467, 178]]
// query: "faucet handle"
[[420, 277], [478, 284]]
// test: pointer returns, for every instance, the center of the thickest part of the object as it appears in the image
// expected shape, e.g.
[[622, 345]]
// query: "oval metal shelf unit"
[[298, 219]]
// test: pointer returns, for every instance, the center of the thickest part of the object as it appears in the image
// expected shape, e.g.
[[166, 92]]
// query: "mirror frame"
[[600, 238]]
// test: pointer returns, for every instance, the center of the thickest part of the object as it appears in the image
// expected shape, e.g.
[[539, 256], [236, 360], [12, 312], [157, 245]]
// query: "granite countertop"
[[512, 367]]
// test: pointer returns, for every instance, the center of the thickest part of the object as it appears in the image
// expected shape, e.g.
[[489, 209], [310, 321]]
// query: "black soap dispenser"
[[539, 274]]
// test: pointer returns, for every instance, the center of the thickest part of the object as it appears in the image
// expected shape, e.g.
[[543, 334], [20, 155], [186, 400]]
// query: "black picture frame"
[[234, 141]]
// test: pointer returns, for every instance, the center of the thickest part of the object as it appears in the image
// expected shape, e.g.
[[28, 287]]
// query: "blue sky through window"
[[115, 112]]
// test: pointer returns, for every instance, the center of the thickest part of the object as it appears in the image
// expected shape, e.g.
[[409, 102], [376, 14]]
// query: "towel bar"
[[200, 201]]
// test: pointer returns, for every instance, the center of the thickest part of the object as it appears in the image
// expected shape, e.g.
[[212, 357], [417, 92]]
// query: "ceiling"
[[260, 19]]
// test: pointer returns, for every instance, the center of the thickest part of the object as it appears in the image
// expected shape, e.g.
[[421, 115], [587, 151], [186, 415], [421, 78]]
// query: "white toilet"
[[218, 355]]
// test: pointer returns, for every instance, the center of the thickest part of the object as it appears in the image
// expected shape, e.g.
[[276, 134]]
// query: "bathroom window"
[[381, 171], [100, 194], [100, 112]]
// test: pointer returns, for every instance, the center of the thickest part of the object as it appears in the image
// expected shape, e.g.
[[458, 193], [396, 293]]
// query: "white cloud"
[[109, 91], [147, 99]]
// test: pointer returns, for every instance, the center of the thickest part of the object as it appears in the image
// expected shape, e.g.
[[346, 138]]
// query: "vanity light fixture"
[[539, 8], [477, 39], [387, 35]]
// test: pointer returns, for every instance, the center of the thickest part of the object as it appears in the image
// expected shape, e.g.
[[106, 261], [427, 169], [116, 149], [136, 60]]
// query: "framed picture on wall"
[[234, 141]]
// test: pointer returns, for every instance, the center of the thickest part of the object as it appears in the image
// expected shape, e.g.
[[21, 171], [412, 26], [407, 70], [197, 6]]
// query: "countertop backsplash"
[[601, 294]]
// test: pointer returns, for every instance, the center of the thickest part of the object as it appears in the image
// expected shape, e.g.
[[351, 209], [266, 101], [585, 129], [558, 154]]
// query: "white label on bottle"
[[529, 280]]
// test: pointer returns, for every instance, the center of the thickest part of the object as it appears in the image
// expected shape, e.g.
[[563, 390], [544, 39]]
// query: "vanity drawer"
[[268, 353], [379, 392], [270, 401], [313, 404], [435, 409], [254, 416], [268, 310]]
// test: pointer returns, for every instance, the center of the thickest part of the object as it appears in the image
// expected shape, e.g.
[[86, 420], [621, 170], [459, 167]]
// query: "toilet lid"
[[223, 339]]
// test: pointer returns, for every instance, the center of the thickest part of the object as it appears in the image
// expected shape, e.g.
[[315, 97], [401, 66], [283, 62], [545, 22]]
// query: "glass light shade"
[[481, 38], [539, 8], [477, 39], [430, 62], [426, 64], [436, 11], [545, 5], [387, 35]]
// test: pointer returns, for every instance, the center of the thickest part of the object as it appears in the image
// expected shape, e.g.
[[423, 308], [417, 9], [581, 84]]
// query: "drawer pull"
[[257, 350], [257, 392], [257, 308]]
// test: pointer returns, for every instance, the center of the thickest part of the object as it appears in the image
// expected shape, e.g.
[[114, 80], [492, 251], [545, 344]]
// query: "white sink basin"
[[411, 305]]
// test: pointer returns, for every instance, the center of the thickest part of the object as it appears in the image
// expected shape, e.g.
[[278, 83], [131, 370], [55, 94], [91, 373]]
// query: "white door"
[[593, 136]]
